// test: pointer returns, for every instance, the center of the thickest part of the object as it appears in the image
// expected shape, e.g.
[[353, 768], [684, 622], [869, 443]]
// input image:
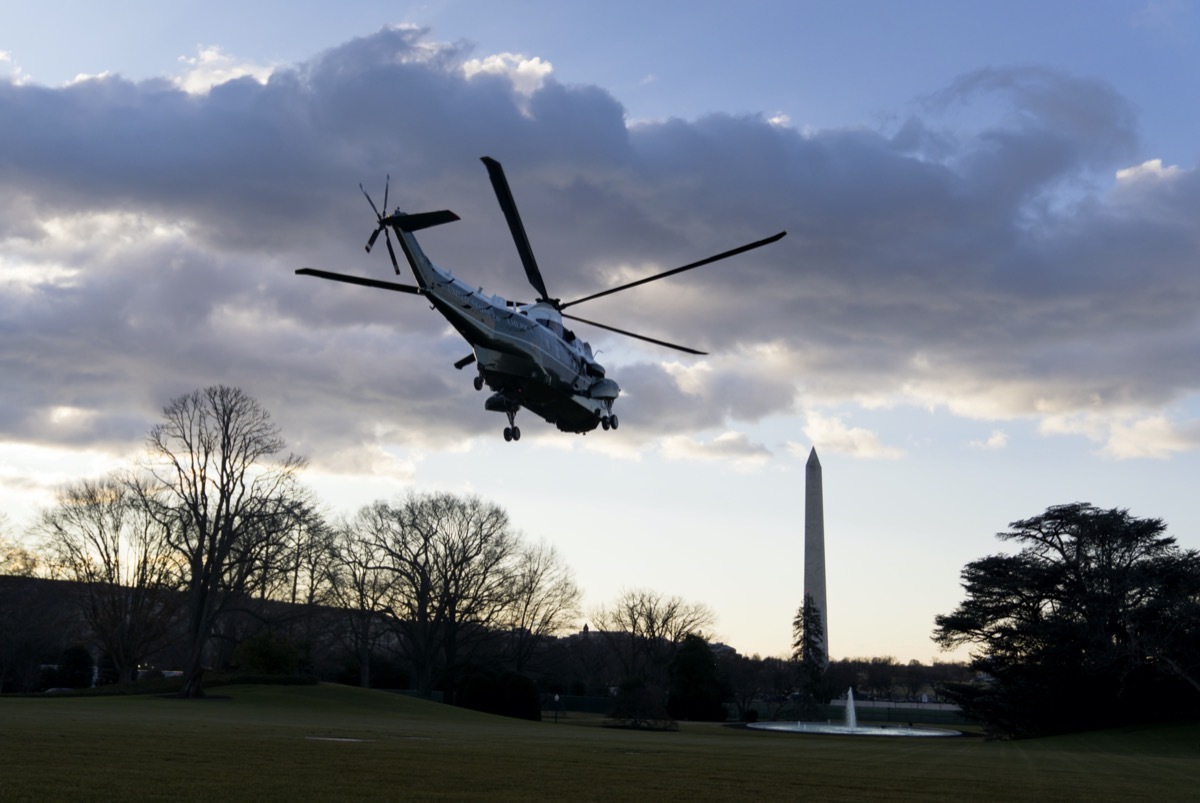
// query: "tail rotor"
[[382, 227]]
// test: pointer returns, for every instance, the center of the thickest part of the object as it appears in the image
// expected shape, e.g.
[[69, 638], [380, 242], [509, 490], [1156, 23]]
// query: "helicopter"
[[523, 352]]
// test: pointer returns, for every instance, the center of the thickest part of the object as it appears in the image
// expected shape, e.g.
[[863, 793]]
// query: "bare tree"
[[882, 676], [644, 627], [224, 498], [100, 536], [307, 551], [450, 560], [359, 587], [744, 676], [544, 600], [293, 566], [15, 559]]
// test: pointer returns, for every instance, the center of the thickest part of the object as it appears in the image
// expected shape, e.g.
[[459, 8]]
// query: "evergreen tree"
[[695, 691], [809, 657], [1092, 623]]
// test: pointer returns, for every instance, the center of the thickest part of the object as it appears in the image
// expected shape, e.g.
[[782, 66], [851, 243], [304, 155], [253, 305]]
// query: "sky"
[[986, 303]]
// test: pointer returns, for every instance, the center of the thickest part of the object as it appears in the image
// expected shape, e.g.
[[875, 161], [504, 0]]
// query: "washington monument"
[[814, 544]]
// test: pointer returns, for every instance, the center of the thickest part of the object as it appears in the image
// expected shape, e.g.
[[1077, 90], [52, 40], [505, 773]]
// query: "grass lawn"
[[264, 743]]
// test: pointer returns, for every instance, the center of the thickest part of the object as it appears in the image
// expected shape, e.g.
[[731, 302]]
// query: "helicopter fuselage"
[[523, 352]]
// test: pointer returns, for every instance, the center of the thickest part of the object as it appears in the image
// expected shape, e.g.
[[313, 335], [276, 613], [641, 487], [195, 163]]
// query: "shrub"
[[505, 693], [267, 654], [639, 705]]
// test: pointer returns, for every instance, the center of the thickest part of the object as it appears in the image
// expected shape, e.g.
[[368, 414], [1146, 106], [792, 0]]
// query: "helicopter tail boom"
[[404, 225]]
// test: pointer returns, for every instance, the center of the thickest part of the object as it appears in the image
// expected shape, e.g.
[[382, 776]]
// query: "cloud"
[[996, 269], [10, 70], [735, 447], [1149, 170], [831, 434], [997, 440], [527, 75], [1153, 436], [1125, 436], [211, 67]]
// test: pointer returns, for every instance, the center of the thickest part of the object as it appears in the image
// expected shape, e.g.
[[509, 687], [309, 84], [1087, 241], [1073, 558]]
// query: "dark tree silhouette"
[[809, 657], [224, 498], [100, 536], [360, 589], [1091, 623], [695, 691], [544, 600], [643, 628], [450, 563]]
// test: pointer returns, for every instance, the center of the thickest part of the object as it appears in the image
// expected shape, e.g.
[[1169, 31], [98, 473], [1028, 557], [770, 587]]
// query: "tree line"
[[198, 542], [209, 553]]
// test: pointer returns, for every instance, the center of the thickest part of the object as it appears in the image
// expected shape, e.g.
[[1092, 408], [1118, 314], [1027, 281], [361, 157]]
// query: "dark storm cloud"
[[976, 254]]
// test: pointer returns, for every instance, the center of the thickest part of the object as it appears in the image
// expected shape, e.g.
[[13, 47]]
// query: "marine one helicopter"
[[524, 354]]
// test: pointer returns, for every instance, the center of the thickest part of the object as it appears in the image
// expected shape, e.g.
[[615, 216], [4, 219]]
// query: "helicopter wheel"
[[612, 421], [516, 433], [479, 383], [604, 422], [508, 433]]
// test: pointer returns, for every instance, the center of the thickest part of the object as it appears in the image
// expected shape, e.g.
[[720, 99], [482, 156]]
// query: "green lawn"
[[261, 743]]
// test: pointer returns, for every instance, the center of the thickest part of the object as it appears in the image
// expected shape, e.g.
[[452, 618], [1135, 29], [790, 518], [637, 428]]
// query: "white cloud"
[[997, 440], [831, 434], [1153, 436], [11, 70], [527, 75], [1150, 170], [211, 67], [82, 77], [733, 446], [31, 473], [1125, 436]]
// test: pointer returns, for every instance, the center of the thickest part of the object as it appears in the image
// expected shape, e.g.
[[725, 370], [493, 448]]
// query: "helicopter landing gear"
[[478, 381], [608, 422], [512, 432], [499, 403]]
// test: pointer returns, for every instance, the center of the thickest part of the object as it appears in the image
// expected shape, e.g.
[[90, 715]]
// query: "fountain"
[[851, 726]]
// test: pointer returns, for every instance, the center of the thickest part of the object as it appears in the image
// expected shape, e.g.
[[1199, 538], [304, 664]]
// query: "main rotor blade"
[[725, 255], [391, 252], [634, 335], [509, 207], [342, 277], [368, 197]]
